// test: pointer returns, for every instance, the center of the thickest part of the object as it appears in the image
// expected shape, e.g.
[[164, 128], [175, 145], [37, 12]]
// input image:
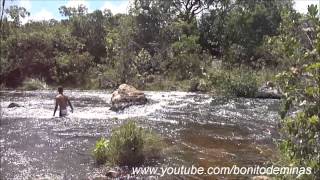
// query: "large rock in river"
[[126, 96]]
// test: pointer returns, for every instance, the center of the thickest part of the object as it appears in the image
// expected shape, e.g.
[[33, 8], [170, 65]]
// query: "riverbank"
[[235, 82]]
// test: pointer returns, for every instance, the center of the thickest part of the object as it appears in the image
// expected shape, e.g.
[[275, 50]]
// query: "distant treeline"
[[174, 40]]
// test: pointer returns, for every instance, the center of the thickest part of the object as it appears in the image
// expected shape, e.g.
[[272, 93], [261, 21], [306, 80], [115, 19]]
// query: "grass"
[[33, 84], [129, 145]]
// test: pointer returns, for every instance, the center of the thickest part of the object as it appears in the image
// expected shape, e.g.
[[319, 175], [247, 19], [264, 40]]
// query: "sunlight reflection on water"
[[202, 130]]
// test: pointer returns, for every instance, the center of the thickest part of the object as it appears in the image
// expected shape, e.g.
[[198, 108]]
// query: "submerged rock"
[[126, 96], [113, 173], [12, 105]]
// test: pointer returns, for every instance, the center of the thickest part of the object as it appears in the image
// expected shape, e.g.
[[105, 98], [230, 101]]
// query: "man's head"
[[60, 90]]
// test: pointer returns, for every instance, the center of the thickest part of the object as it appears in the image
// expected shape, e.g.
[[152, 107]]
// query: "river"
[[199, 129]]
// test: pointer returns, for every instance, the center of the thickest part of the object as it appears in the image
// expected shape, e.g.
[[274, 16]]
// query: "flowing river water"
[[199, 129]]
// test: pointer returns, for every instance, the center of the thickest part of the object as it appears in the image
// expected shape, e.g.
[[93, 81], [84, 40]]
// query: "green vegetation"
[[158, 45], [129, 145], [238, 83], [33, 84], [100, 150], [301, 84], [300, 145]]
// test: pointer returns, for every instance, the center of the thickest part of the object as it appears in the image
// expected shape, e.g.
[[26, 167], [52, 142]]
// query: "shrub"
[[234, 83], [100, 150], [129, 145], [198, 84], [243, 85], [217, 80], [126, 145], [33, 84], [300, 145]]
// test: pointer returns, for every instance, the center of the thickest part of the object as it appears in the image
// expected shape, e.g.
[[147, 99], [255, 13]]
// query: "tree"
[[237, 27], [188, 9], [151, 20], [81, 10], [213, 28], [16, 13], [89, 28], [2, 12]]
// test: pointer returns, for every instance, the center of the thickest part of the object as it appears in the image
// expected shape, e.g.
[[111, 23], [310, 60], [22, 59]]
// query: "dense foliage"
[[158, 41], [300, 125]]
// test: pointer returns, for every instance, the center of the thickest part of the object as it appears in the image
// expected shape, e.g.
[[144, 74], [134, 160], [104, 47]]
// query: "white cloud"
[[119, 7], [42, 15], [302, 5], [26, 4], [39, 16]]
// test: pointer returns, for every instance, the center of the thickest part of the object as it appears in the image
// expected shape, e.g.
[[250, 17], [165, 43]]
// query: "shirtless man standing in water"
[[62, 101]]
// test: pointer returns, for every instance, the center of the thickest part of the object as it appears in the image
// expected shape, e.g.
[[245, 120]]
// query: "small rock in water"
[[112, 173], [11, 105]]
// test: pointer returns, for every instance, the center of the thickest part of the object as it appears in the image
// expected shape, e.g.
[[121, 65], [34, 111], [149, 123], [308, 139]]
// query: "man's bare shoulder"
[[60, 96]]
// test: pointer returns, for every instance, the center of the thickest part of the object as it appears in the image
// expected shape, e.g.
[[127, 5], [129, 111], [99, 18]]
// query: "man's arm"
[[70, 105], [55, 108]]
